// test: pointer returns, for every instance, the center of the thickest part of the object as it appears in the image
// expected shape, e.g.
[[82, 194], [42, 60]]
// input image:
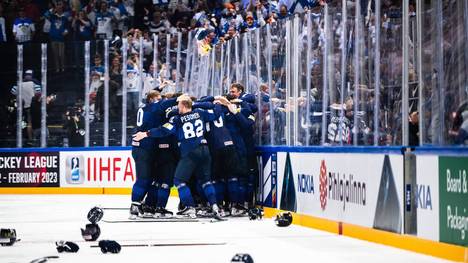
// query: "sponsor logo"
[[453, 196], [423, 197], [457, 221], [305, 183], [343, 188], [323, 185], [408, 197], [456, 183], [340, 187], [74, 170], [109, 169]]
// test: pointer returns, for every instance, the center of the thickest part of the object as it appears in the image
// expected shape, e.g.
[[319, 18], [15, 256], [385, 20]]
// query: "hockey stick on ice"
[[43, 259], [168, 245], [114, 208], [142, 220]]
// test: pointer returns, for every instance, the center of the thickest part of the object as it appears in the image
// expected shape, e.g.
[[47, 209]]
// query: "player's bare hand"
[[232, 108], [139, 136], [222, 100]]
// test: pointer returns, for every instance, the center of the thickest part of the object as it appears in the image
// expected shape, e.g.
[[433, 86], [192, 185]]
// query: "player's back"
[[218, 135], [232, 124], [248, 129], [147, 118], [190, 129]]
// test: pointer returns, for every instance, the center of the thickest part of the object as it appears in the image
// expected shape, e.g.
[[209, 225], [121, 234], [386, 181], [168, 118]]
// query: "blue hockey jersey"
[[151, 115], [236, 123], [189, 129], [218, 135]]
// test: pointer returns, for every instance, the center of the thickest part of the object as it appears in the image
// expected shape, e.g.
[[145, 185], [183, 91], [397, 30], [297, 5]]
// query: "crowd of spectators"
[[212, 22], [55, 21]]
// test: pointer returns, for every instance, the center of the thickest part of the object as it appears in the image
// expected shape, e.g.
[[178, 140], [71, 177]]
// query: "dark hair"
[[230, 97], [238, 86]]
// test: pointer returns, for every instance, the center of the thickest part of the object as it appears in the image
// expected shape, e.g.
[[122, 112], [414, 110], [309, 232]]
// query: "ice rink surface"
[[40, 220]]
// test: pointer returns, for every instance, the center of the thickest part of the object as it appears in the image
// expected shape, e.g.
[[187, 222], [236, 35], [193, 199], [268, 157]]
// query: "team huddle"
[[204, 147]]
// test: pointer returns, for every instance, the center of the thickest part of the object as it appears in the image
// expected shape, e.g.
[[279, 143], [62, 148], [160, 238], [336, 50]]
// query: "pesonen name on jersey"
[[189, 117]]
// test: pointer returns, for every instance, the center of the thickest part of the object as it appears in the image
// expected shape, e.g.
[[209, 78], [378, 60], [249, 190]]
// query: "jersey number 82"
[[192, 130]]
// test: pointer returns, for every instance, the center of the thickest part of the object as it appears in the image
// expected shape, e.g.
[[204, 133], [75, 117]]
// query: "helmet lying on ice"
[[95, 215], [284, 219], [91, 232], [7, 236]]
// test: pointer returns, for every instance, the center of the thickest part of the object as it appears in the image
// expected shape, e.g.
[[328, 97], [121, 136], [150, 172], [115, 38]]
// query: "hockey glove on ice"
[[67, 246], [109, 246]]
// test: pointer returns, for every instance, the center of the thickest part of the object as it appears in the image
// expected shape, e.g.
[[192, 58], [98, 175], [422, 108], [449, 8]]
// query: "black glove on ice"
[[109, 246], [67, 246]]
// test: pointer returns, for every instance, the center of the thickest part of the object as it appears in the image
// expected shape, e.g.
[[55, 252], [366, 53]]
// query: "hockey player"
[[247, 132], [237, 121], [143, 151], [237, 91], [225, 158], [189, 127], [167, 156]]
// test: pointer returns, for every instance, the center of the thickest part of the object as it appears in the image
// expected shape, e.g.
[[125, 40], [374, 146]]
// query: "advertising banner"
[[359, 189], [29, 169], [97, 169], [453, 191], [426, 194], [268, 162]]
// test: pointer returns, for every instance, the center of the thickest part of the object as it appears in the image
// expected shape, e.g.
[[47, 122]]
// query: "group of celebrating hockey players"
[[204, 147]]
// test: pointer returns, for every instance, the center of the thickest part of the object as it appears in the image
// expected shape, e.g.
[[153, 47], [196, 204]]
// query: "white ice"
[[40, 220]]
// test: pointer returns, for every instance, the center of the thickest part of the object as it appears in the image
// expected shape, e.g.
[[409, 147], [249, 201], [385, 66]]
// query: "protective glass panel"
[[364, 109], [30, 90], [72, 95], [263, 95], [331, 61], [182, 61], [391, 80], [217, 83], [193, 72], [278, 88], [96, 95], [172, 65], [455, 79]]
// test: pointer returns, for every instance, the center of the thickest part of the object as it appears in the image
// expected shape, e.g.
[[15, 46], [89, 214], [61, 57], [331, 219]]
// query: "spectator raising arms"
[[82, 26], [104, 20]]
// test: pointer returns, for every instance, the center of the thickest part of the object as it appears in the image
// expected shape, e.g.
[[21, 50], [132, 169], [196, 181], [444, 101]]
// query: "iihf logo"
[[323, 185], [75, 170]]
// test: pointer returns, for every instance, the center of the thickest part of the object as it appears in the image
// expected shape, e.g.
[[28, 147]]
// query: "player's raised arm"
[[244, 116], [204, 103], [163, 131], [208, 115], [168, 103]]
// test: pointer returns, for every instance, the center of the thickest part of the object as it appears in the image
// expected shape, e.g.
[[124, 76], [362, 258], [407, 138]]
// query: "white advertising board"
[[97, 169], [361, 189], [427, 196]]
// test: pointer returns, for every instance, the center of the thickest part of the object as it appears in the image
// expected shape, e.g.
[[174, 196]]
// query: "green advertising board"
[[453, 196]]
